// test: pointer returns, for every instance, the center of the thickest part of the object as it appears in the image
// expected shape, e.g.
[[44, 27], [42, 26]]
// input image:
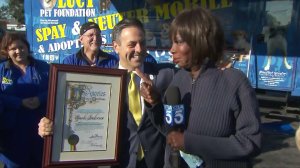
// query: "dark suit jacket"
[[150, 137]]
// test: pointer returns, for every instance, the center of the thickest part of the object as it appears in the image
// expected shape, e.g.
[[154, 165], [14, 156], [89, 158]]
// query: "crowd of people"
[[222, 118]]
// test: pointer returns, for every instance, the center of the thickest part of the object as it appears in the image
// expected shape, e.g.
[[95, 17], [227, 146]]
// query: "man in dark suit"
[[143, 144]]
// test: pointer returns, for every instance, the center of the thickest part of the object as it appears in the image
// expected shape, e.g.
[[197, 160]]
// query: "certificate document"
[[86, 116]]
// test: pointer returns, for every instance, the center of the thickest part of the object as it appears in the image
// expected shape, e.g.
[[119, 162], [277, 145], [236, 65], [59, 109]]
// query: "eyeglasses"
[[92, 35]]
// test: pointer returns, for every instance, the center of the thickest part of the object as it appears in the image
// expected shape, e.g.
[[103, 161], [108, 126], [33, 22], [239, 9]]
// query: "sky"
[[2, 2]]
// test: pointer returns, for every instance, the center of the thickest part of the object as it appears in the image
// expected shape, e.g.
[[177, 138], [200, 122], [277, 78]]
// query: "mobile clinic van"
[[262, 36]]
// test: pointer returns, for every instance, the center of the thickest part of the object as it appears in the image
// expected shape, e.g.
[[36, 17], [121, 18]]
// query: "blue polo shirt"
[[103, 60], [19, 125]]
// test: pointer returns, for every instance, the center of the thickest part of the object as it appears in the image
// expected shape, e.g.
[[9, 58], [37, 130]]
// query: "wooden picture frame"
[[85, 105]]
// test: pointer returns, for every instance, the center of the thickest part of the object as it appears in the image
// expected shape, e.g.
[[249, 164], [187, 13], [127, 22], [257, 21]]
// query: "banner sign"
[[260, 35]]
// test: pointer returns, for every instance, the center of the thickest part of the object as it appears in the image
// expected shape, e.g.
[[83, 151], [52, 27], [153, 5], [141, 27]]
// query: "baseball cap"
[[87, 26]]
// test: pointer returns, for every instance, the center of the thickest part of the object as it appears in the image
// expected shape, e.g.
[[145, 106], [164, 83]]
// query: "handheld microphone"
[[174, 110], [174, 118]]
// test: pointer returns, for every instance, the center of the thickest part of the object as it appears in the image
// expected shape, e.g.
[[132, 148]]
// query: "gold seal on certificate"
[[73, 140]]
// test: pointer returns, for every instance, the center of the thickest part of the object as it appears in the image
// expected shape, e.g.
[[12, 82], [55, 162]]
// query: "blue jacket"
[[15, 86], [1, 118], [1, 108], [18, 125], [103, 60]]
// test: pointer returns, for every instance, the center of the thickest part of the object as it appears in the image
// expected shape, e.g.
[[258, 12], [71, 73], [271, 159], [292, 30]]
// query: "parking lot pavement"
[[278, 145]]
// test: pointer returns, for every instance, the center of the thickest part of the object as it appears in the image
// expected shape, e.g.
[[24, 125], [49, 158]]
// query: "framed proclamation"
[[85, 106]]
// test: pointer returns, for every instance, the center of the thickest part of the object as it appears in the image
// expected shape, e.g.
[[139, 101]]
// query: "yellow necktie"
[[135, 107], [134, 100]]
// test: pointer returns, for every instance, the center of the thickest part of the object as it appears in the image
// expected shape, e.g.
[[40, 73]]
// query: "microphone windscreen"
[[172, 95]]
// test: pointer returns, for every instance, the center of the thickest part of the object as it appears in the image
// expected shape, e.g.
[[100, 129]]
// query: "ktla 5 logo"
[[174, 114]]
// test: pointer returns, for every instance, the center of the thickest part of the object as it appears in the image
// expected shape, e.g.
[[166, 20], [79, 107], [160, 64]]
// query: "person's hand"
[[297, 138], [176, 140], [31, 103], [147, 90], [45, 127]]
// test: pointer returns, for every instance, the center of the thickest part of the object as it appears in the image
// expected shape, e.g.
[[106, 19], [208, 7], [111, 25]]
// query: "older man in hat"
[[91, 54]]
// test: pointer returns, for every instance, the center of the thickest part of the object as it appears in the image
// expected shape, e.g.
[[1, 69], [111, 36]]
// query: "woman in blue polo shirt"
[[23, 92]]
